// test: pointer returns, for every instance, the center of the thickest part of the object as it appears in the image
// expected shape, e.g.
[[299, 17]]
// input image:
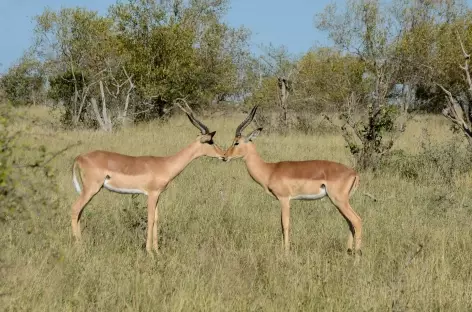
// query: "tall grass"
[[220, 237]]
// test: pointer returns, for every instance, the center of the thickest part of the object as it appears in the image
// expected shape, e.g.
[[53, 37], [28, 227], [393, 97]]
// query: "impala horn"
[[246, 121], [203, 129]]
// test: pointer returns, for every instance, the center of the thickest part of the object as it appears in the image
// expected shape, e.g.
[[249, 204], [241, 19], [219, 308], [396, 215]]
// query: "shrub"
[[22, 180], [436, 163]]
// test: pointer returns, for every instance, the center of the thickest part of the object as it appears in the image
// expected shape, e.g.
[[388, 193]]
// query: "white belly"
[[121, 190], [321, 194]]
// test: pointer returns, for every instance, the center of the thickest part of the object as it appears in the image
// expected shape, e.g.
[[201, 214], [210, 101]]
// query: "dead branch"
[[457, 113], [284, 89], [83, 94], [131, 87], [344, 132], [97, 113], [44, 163]]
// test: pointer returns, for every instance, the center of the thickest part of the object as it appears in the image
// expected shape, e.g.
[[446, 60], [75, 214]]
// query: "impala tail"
[[74, 177]]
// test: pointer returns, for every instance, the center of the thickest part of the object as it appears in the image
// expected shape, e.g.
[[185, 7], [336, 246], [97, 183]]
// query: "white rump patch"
[[121, 190], [321, 194]]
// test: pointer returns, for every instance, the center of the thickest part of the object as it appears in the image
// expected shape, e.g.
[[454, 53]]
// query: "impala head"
[[205, 140], [242, 144]]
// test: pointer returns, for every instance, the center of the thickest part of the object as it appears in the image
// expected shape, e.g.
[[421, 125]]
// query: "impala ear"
[[253, 135], [207, 138]]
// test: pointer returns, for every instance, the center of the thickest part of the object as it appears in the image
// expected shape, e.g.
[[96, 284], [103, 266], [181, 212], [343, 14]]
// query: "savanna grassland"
[[219, 233]]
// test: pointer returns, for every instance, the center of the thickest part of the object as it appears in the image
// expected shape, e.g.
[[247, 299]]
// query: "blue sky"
[[271, 21], [290, 23]]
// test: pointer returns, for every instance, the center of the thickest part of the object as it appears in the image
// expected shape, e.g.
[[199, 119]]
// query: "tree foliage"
[[135, 62], [326, 77]]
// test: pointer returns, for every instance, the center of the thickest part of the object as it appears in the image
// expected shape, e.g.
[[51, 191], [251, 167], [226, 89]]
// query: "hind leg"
[[339, 194], [350, 237], [355, 226], [79, 205]]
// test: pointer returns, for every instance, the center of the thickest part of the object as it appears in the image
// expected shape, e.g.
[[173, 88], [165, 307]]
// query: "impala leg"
[[151, 202], [355, 226], [79, 205], [154, 227], [285, 220], [350, 238]]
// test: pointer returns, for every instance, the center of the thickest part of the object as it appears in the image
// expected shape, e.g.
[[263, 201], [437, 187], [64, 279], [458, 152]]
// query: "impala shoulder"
[[277, 169]]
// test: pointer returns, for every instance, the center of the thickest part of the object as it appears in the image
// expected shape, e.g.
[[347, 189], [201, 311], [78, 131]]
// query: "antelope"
[[148, 175], [303, 180]]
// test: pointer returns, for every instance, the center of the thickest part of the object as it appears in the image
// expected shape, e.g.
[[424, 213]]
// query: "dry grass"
[[220, 236]]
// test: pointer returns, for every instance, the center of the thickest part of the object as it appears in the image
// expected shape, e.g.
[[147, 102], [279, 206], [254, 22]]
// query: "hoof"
[[357, 253]]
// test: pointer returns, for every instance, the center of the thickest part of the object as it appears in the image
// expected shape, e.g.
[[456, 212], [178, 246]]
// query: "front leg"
[[285, 220], [154, 228], [152, 212]]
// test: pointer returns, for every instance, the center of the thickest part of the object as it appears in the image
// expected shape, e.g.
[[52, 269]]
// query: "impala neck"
[[257, 167], [180, 160]]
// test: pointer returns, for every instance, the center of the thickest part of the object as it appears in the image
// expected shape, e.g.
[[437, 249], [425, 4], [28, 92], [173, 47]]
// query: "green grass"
[[220, 237]]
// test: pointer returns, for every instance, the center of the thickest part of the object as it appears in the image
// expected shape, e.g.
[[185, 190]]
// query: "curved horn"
[[203, 129], [246, 121]]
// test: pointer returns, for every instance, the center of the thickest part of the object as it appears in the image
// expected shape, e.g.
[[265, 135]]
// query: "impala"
[[306, 180], [147, 175]]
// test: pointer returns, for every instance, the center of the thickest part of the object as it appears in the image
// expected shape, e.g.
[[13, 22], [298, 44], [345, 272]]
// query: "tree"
[[427, 49], [181, 50], [273, 74], [363, 30], [82, 58]]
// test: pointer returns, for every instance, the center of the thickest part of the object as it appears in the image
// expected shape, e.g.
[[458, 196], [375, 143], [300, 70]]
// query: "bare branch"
[[344, 132], [109, 92], [44, 163], [466, 56], [457, 114], [97, 113], [106, 118], [131, 87]]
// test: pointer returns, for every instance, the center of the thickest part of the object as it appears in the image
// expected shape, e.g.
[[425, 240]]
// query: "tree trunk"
[[103, 121], [283, 96]]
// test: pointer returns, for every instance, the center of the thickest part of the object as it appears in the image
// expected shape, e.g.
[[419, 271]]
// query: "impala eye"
[[236, 143]]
